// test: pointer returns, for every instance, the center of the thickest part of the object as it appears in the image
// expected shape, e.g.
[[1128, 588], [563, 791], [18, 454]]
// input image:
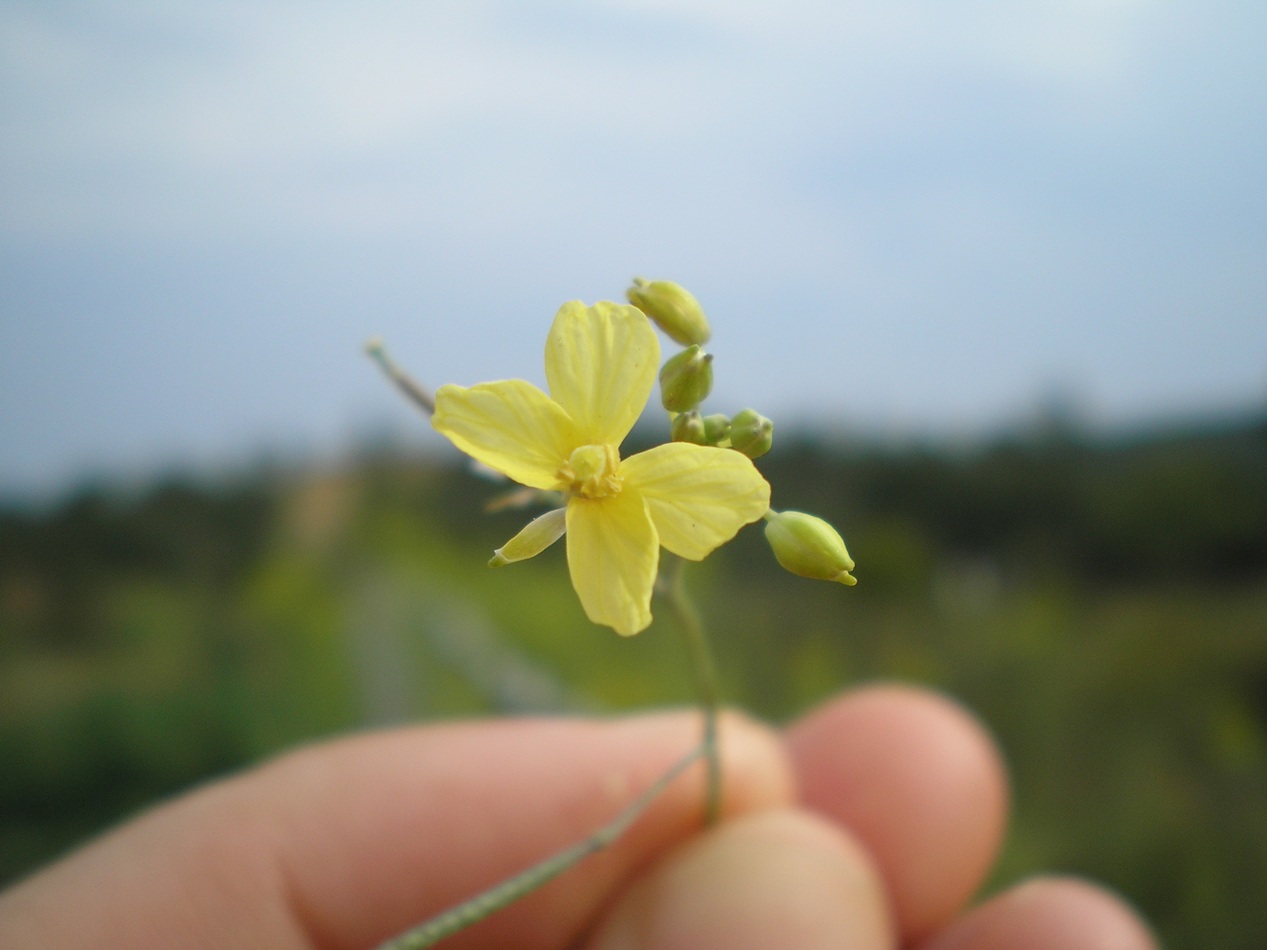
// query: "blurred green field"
[[1100, 603]]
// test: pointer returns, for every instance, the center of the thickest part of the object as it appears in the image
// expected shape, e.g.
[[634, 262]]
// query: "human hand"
[[899, 813]]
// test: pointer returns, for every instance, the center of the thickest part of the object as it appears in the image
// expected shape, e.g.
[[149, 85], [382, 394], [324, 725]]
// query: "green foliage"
[[1101, 605]]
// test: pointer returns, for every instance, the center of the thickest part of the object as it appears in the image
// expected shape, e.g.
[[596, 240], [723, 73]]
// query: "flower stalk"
[[414, 391], [482, 905], [704, 673]]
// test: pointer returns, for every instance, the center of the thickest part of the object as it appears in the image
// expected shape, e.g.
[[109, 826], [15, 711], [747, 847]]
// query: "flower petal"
[[541, 532], [698, 497], [510, 426], [601, 363], [613, 556]]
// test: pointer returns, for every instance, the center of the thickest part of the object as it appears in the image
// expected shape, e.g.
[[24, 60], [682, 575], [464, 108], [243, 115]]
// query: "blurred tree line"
[[1100, 602]]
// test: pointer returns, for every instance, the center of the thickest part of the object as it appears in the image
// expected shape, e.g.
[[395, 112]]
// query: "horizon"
[[398, 441]]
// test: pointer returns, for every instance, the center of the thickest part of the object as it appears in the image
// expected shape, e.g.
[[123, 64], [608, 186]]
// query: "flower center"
[[591, 471]]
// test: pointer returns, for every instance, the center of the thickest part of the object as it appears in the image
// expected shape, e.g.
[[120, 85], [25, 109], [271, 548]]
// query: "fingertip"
[[920, 782], [770, 880], [444, 812], [757, 770], [346, 842], [1049, 913]]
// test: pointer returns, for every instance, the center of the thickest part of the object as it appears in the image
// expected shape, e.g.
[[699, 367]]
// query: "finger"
[[347, 843], [1048, 914], [768, 881], [919, 782]]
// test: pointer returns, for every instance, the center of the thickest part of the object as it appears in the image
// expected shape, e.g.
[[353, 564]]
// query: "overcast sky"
[[900, 216]]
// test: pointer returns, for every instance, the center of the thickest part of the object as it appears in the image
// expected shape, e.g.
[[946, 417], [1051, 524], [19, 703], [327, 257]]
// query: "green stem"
[[525, 882], [704, 673], [414, 391]]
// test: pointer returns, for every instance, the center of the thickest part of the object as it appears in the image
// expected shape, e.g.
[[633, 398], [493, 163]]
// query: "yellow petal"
[[510, 426], [613, 556], [601, 364], [698, 497], [537, 535]]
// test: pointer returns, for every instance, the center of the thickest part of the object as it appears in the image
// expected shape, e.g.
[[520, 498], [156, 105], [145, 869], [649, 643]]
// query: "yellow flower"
[[601, 364]]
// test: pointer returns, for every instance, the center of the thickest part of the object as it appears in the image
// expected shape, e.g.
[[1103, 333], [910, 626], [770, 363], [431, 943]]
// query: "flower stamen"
[[591, 471]]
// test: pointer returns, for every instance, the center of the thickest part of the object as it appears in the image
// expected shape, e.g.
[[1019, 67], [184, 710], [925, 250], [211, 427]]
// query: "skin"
[[867, 824]]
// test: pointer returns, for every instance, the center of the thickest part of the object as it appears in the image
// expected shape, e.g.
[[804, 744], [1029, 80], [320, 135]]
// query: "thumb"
[[775, 879]]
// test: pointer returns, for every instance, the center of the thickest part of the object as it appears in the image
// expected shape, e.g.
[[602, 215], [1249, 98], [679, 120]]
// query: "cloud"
[[155, 117], [931, 211]]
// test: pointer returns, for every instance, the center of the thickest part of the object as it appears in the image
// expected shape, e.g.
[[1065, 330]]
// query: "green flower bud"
[[688, 427], [716, 428], [809, 547], [751, 434], [672, 308], [686, 379]]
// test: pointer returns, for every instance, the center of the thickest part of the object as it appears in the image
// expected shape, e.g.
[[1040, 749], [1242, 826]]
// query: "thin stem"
[[705, 674], [418, 394], [510, 890]]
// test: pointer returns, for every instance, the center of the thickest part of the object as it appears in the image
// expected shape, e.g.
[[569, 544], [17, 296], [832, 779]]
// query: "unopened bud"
[[716, 428], [672, 308], [686, 379], [688, 427], [751, 433], [809, 547]]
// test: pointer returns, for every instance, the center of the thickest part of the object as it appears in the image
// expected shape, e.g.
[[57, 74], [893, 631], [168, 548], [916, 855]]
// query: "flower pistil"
[[592, 471]]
